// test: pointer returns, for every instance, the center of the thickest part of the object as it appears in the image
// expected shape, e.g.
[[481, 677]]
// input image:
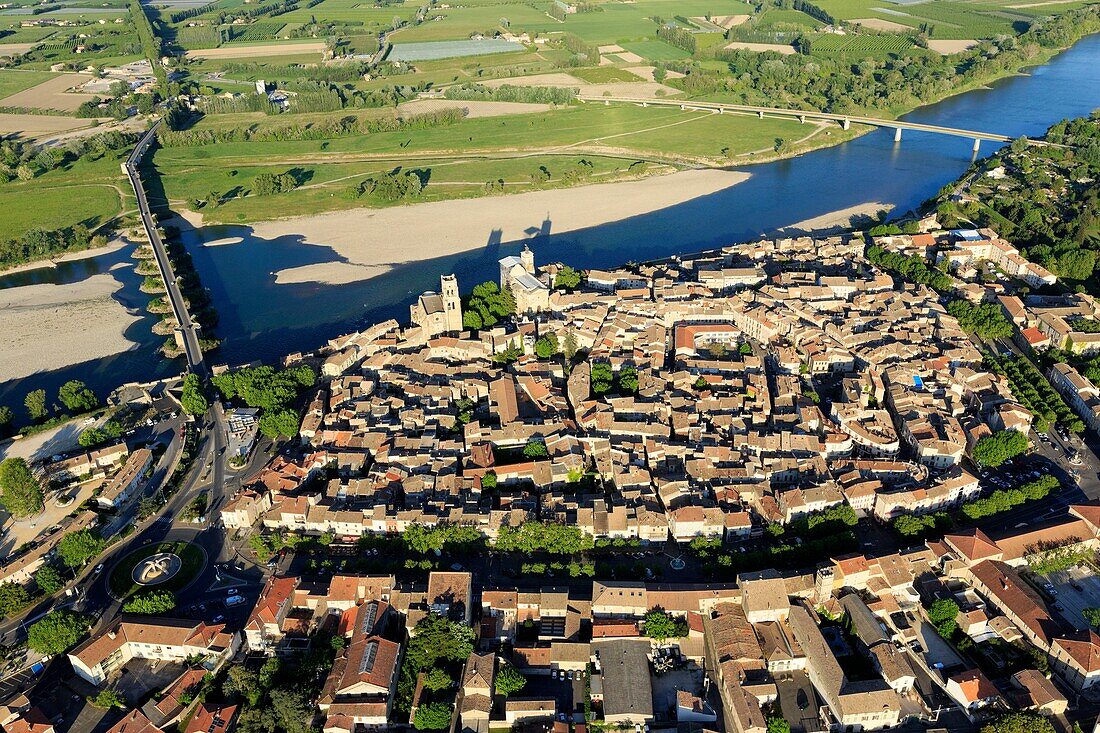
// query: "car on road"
[[98, 569], [232, 592], [231, 601]]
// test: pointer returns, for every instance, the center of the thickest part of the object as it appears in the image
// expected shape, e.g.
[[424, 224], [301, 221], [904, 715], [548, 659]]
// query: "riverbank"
[[113, 246], [363, 246], [48, 327]]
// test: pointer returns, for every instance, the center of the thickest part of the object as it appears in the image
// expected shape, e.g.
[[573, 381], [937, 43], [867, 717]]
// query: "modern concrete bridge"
[[845, 121]]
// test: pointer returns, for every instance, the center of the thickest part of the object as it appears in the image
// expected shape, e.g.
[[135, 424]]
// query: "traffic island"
[[170, 566]]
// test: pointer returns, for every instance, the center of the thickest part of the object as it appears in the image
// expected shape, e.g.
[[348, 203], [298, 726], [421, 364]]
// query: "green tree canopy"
[[437, 641], [535, 449], [77, 548], [57, 631], [193, 399], [20, 491], [76, 397], [35, 402], [509, 680], [1020, 723], [490, 304], [13, 599], [151, 602], [547, 346], [49, 580], [986, 320], [660, 625], [433, 716], [1000, 447], [437, 679], [550, 537], [107, 699], [943, 613], [567, 279]]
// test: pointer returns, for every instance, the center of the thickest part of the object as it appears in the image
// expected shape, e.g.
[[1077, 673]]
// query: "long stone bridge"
[[845, 121]]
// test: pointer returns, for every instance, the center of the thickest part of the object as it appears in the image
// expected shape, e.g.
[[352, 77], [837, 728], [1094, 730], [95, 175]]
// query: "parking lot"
[[1075, 589]]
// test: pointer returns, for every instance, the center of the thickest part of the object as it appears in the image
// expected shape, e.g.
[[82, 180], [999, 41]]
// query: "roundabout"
[[168, 566]]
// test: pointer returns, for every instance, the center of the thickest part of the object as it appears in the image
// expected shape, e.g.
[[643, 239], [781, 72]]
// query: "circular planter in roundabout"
[[168, 566]]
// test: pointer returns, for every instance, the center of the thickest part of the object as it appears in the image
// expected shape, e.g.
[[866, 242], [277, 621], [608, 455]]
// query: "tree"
[[13, 598], [1000, 447], [244, 683], [601, 378], [509, 680], [437, 639], [76, 397], [6, 417], [49, 580], [77, 548], [20, 491], [489, 480], [152, 603], [661, 625], [107, 699], [35, 402], [293, 710], [1019, 723], [1092, 615], [942, 613], [535, 449], [547, 346], [567, 279], [437, 679], [1077, 264], [628, 380], [192, 399], [777, 723], [569, 345], [283, 423], [433, 716], [57, 631]]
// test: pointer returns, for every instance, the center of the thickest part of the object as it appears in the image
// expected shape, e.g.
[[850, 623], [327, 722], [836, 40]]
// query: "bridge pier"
[[897, 134], [683, 107], [977, 144], [845, 123], [645, 104], [802, 119], [760, 114], [607, 103]]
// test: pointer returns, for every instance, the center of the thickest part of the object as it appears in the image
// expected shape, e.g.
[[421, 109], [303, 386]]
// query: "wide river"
[[263, 319]]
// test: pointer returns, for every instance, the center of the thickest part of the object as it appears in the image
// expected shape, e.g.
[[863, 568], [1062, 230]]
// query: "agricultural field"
[[862, 44], [656, 50], [16, 80]]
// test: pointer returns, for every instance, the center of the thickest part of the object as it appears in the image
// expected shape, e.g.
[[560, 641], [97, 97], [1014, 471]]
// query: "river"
[[262, 319]]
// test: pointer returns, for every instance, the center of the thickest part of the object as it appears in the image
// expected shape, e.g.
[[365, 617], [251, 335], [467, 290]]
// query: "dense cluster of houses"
[[722, 435]]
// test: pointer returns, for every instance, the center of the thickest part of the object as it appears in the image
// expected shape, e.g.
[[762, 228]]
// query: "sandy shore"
[[83, 254], [363, 237], [37, 322], [840, 220]]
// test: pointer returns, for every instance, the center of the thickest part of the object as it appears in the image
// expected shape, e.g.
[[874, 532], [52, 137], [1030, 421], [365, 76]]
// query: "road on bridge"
[[842, 119], [188, 328]]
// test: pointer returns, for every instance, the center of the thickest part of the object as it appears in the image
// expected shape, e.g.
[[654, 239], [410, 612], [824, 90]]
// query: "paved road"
[[188, 327]]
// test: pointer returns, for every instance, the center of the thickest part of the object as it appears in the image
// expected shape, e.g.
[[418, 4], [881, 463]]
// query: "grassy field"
[[655, 50], [83, 192], [614, 139], [13, 81]]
